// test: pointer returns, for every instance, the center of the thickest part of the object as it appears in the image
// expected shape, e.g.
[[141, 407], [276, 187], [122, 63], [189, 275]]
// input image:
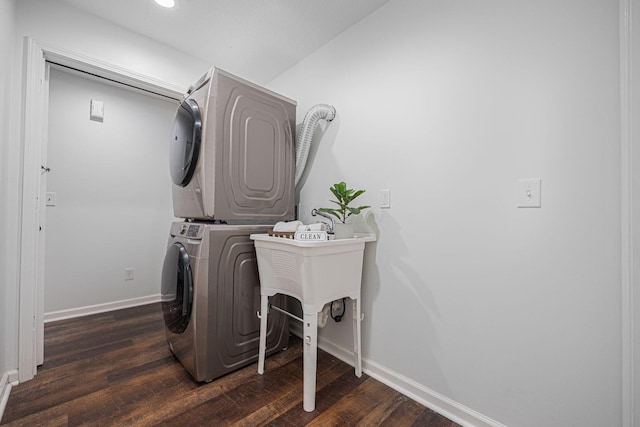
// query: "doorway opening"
[[31, 317]]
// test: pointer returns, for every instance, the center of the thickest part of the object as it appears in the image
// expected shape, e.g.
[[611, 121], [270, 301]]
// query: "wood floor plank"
[[293, 398], [430, 418], [46, 418], [86, 375], [237, 402], [354, 406], [43, 398], [102, 405], [167, 403], [381, 412], [249, 394], [404, 415], [115, 369], [325, 398]]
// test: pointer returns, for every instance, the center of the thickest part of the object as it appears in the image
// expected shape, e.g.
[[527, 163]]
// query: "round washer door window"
[[185, 146], [177, 289]]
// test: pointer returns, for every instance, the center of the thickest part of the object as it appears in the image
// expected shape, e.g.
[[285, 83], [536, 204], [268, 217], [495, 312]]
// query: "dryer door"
[[177, 289], [185, 146]]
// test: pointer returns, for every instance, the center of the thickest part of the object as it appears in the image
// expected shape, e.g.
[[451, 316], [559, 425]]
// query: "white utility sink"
[[315, 273]]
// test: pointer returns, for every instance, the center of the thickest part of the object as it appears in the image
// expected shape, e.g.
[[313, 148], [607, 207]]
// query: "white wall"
[[113, 208], [54, 22], [7, 295], [514, 313]]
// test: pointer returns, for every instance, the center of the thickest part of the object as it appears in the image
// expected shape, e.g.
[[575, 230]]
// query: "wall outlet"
[[128, 273]]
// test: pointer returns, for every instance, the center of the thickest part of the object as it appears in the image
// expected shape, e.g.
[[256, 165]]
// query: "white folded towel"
[[287, 226], [318, 226]]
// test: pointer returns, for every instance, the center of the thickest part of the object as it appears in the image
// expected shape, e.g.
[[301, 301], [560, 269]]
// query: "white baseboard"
[[8, 380], [100, 308], [431, 399]]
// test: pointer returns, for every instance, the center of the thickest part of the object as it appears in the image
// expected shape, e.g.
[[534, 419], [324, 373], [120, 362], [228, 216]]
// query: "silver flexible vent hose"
[[305, 134]]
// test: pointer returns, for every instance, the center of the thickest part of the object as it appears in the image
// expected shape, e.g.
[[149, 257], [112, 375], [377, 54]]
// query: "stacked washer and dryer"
[[232, 165]]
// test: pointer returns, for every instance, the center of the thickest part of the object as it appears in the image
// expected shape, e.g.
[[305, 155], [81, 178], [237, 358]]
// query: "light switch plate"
[[529, 193], [385, 199], [97, 111], [51, 198]]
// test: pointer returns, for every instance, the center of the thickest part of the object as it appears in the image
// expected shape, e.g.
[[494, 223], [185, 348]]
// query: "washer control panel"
[[191, 231]]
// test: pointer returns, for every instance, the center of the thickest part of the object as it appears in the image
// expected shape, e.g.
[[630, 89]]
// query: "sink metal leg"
[[357, 340], [264, 312], [310, 359]]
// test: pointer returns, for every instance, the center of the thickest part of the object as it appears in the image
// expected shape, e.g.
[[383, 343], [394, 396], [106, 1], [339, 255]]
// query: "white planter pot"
[[343, 231]]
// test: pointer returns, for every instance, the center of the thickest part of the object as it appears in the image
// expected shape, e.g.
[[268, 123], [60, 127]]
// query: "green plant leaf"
[[344, 196], [357, 193], [356, 211], [330, 211], [336, 193]]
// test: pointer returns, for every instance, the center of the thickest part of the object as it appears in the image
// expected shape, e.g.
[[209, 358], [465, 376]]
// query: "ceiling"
[[257, 39]]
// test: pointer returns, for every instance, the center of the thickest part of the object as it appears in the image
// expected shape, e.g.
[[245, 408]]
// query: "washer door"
[[185, 147], [177, 289]]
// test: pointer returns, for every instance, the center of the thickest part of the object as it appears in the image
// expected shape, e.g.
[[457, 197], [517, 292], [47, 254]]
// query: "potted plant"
[[344, 197]]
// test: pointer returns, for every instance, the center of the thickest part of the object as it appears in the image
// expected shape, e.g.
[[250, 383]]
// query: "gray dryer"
[[232, 155]]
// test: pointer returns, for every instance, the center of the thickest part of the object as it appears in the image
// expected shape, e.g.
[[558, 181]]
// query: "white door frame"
[[34, 133], [42, 218], [630, 173], [32, 138]]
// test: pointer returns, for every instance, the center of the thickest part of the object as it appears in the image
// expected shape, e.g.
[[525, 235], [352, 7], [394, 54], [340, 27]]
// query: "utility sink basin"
[[314, 272]]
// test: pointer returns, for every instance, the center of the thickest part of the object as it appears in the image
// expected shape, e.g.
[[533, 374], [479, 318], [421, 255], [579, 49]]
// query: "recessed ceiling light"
[[166, 3]]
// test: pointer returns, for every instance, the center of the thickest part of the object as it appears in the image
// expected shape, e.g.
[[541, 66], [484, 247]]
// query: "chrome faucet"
[[315, 212]]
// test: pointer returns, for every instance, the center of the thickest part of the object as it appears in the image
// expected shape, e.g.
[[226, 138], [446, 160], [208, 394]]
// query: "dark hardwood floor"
[[116, 369]]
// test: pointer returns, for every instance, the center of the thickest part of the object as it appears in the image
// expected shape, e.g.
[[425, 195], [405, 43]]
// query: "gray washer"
[[211, 293]]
